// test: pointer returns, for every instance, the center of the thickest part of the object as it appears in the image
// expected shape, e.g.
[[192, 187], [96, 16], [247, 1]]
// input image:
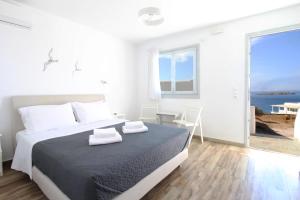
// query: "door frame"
[[248, 38]]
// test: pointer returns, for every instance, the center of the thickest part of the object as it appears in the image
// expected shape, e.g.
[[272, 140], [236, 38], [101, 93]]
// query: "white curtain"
[[154, 90]]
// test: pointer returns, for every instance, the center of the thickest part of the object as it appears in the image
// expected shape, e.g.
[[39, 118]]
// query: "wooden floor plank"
[[213, 171]]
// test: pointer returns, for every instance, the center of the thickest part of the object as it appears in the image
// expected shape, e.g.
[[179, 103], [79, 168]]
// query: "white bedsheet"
[[22, 160]]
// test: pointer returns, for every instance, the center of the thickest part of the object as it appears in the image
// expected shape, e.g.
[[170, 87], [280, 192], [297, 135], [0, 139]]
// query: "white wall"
[[23, 52], [222, 70]]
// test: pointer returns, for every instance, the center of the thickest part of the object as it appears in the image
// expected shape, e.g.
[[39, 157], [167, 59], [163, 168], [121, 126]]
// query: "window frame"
[[183, 94]]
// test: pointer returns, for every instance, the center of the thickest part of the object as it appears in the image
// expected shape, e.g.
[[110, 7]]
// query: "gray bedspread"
[[86, 172]]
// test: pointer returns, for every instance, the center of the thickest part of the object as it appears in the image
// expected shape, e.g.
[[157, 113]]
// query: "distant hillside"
[[281, 84], [276, 93]]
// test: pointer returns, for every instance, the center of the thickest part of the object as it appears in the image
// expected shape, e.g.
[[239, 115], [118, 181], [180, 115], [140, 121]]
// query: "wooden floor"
[[213, 171]]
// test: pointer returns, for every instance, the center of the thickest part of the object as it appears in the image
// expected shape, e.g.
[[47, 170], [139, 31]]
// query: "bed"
[[65, 167]]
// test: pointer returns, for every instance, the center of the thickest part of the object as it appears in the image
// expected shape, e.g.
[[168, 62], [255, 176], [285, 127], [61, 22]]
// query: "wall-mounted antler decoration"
[[104, 87], [50, 60], [76, 68]]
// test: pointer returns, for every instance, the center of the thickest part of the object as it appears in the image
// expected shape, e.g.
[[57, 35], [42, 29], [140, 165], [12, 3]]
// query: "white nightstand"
[[1, 163]]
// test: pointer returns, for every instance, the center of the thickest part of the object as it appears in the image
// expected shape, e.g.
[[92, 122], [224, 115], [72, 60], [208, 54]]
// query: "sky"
[[275, 62], [184, 66]]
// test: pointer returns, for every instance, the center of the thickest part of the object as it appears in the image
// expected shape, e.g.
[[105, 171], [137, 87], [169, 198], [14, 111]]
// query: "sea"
[[264, 101]]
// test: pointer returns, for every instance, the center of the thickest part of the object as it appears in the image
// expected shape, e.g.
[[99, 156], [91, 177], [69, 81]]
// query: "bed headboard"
[[23, 101]]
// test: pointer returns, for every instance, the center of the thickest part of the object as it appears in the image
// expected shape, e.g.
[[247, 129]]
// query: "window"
[[178, 72]]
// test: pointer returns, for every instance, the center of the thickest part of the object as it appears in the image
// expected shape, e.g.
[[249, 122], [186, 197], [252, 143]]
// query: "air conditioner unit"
[[15, 22]]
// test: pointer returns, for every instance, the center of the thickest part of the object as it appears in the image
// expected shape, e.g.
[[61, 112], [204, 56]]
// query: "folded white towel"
[[96, 141], [105, 132], [134, 125], [137, 130]]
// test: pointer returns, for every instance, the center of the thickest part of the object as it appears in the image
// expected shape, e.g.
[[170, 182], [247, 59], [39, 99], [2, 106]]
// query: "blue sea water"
[[264, 102]]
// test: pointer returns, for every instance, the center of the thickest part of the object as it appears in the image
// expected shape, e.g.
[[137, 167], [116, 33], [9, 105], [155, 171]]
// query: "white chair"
[[191, 118], [149, 113]]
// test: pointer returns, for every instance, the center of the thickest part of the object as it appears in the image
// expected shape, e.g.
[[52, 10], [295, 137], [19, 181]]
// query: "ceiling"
[[119, 17]]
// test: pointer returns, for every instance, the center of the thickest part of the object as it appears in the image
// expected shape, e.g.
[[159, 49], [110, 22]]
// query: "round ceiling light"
[[151, 16]]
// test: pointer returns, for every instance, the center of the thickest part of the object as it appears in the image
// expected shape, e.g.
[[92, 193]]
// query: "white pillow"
[[91, 112], [46, 117]]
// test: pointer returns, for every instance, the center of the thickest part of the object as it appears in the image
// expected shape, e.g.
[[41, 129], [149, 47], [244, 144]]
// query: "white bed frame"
[[51, 190]]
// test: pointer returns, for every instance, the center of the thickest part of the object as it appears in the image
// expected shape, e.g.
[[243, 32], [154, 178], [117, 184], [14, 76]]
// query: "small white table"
[[162, 115]]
